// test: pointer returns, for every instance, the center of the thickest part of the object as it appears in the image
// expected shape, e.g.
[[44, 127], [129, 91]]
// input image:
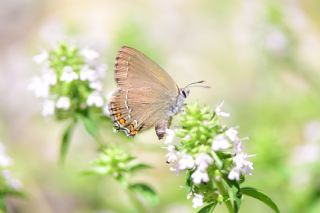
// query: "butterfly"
[[146, 96]]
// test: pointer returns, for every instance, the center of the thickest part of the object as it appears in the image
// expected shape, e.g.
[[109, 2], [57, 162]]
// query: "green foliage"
[[65, 141], [252, 192], [145, 191], [117, 163]]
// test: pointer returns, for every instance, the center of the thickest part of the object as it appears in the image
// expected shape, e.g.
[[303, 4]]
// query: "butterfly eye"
[[184, 93]]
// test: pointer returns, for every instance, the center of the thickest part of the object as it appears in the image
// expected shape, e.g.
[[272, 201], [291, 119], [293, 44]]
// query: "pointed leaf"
[[208, 208], [233, 193], [146, 192], [139, 166], [252, 192], [89, 124], [65, 141]]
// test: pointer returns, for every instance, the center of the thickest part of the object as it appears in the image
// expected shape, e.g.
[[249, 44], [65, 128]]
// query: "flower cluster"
[[70, 81], [8, 184], [211, 154], [116, 162]]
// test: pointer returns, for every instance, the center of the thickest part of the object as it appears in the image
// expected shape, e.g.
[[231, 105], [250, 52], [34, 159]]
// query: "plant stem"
[[224, 193]]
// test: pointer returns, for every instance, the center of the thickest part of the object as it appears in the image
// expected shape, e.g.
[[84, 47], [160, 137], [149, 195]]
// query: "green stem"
[[224, 193], [217, 181]]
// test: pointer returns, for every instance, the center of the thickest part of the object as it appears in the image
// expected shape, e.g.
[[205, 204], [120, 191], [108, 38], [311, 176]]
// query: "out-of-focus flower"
[[11, 181], [95, 85], [197, 201], [89, 54], [68, 74], [5, 160], [70, 77], [41, 57], [87, 74], [95, 99], [63, 103], [39, 87], [48, 108], [49, 77]]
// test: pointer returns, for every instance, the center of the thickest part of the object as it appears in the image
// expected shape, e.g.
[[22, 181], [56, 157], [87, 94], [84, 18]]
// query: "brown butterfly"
[[146, 96]]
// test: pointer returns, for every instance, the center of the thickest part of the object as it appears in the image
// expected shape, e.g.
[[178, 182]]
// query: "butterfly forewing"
[[145, 92]]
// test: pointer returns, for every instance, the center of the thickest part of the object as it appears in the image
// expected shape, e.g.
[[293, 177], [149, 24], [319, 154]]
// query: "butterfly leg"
[[161, 128]]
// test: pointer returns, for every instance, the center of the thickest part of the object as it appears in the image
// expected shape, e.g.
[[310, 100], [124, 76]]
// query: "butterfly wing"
[[145, 94]]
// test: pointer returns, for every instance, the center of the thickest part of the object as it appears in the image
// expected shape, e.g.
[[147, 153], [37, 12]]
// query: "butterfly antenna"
[[194, 84]]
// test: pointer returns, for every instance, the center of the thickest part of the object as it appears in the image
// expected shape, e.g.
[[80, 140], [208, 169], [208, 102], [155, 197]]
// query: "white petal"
[[63, 103], [48, 108], [40, 58], [170, 136], [89, 54], [197, 201]]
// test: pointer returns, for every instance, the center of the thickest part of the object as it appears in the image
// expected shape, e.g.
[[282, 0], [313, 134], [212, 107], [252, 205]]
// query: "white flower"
[[219, 112], [50, 77], [202, 161], [96, 85], [234, 174], [170, 136], [197, 201], [48, 108], [95, 99], [172, 154], [63, 103], [232, 134], [242, 165], [186, 162], [242, 162], [101, 70], [200, 176], [41, 57], [87, 74], [39, 87], [5, 160], [220, 143], [89, 54], [68, 74], [12, 182]]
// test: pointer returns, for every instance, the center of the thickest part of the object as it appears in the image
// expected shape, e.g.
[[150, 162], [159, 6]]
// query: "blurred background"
[[260, 57]]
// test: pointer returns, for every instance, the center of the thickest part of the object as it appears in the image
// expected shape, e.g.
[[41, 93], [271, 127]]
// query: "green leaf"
[[208, 208], [89, 124], [252, 192], [145, 191], [65, 141], [233, 193], [139, 166]]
